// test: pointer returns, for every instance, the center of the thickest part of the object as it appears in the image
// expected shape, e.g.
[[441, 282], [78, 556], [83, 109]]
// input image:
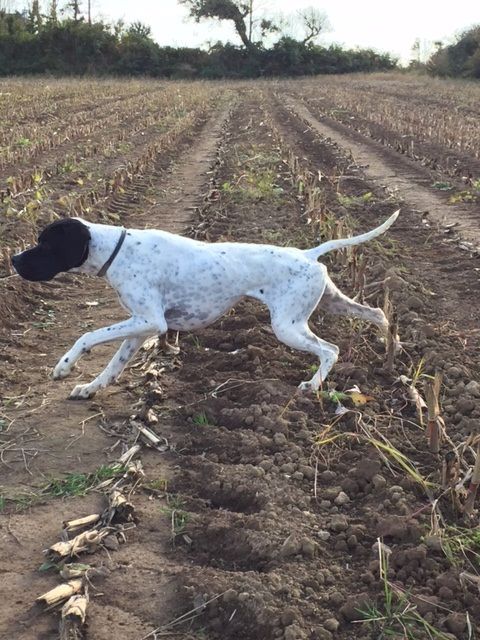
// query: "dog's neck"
[[103, 240]]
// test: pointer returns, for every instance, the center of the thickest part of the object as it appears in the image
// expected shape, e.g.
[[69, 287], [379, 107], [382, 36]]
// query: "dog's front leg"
[[111, 372], [132, 328]]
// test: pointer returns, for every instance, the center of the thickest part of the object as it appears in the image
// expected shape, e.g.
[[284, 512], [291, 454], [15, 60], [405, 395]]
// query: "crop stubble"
[[263, 524]]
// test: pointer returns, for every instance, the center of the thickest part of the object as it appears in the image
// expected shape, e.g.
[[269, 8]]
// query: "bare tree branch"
[[314, 21]]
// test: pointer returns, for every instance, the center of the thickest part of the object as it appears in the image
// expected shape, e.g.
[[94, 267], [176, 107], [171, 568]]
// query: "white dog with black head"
[[166, 281]]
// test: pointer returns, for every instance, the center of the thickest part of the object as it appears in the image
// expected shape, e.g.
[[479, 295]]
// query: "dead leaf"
[[360, 399]]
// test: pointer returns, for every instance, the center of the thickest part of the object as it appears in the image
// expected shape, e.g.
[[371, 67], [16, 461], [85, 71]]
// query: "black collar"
[[107, 264]]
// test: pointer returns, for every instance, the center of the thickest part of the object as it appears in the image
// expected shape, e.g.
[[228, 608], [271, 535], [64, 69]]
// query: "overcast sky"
[[385, 25]]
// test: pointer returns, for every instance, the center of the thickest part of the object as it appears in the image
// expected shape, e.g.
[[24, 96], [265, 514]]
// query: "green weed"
[[396, 616], [257, 179], [159, 484], [178, 516], [78, 484], [48, 318], [442, 186], [349, 201], [201, 419], [66, 167], [20, 501], [336, 397], [73, 484], [463, 196], [461, 544], [24, 142]]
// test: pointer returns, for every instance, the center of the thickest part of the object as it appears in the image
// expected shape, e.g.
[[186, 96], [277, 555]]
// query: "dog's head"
[[62, 246]]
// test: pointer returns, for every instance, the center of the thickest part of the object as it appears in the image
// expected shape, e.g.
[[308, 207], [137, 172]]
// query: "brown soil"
[[278, 531]]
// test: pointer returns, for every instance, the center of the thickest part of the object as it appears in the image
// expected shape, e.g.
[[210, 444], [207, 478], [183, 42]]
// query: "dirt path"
[[48, 435], [396, 174]]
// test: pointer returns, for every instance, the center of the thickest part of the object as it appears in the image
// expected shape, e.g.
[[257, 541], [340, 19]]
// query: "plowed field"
[[261, 513]]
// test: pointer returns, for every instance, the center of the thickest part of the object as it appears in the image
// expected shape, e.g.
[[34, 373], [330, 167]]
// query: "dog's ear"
[[69, 240]]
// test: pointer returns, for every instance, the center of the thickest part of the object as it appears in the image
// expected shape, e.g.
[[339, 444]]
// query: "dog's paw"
[[308, 387], [83, 392], [63, 369]]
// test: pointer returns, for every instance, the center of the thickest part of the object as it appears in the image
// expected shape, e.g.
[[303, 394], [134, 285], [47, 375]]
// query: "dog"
[[166, 281]]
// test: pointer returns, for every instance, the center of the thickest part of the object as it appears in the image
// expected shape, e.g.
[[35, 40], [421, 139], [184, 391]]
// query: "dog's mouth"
[[36, 266]]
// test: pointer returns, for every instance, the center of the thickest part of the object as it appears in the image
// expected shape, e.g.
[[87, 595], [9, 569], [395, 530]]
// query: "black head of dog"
[[63, 245]]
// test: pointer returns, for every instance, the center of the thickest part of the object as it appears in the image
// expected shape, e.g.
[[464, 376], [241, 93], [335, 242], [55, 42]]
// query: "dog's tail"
[[331, 245]]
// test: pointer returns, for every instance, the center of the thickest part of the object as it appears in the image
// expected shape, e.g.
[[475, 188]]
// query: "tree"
[[74, 5], [416, 48], [240, 13], [462, 58], [313, 22], [53, 12], [139, 30], [304, 25], [34, 17]]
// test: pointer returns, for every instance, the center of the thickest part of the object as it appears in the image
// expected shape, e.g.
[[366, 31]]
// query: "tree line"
[[460, 59], [63, 39]]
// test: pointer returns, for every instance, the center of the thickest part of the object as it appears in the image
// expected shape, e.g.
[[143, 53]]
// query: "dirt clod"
[[456, 623], [353, 607]]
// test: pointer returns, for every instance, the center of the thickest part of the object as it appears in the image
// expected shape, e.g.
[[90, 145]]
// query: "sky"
[[384, 25]]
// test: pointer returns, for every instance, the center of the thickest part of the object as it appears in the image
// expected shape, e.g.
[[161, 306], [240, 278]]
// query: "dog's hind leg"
[[290, 309], [299, 336], [336, 302], [111, 372]]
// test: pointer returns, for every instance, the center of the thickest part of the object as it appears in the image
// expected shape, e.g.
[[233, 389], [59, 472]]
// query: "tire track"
[[396, 174]]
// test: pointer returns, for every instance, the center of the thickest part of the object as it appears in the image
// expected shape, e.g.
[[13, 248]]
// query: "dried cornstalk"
[[434, 422], [418, 401], [76, 607], [467, 578], [474, 482], [129, 454], [360, 277], [133, 475], [134, 471], [74, 613], [73, 525], [172, 349], [450, 470], [150, 416], [151, 343], [88, 541], [60, 593], [149, 437], [353, 267], [7, 263], [392, 333], [120, 509]]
